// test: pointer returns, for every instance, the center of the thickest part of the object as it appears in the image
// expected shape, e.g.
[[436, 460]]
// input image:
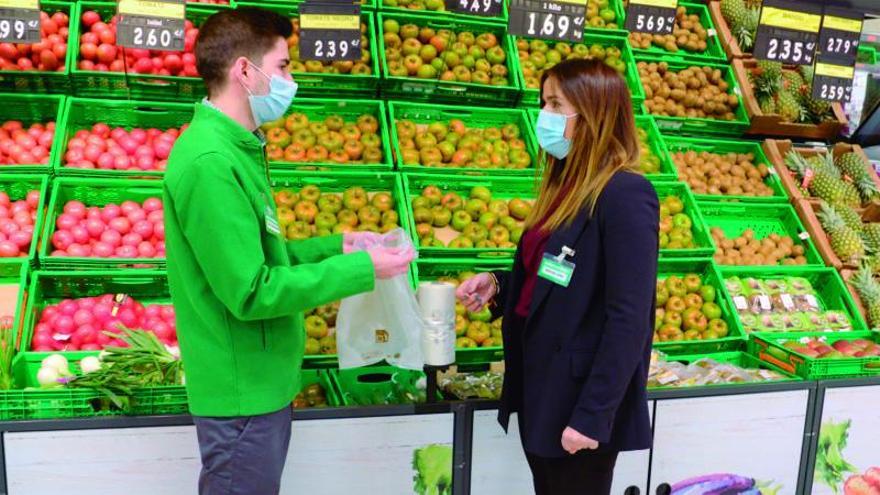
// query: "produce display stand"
[[40, 82]]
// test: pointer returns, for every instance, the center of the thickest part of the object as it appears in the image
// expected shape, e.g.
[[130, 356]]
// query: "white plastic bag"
[[384, 324]]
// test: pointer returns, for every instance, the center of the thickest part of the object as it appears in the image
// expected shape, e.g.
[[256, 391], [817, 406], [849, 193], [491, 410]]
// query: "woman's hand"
[[476, 292], [573, 441]]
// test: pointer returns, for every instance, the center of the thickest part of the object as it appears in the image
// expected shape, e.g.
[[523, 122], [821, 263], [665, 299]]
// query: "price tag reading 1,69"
[[485, 8], [833, 82], [788, 31], [554, 20], [151, 24], [330, 32], [839, 38], [20, 21], [651, 16]]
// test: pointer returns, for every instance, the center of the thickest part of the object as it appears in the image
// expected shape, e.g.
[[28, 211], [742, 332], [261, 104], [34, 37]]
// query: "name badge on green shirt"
[[556, 269], [272, 224]]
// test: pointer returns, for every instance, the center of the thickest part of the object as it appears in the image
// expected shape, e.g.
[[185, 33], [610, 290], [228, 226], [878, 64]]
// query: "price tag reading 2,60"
[[651, 16], [151, 24], [554, 20], [833, 82], [839, 37], [788, 32], [485, 8], [330, 32], [20, 21]]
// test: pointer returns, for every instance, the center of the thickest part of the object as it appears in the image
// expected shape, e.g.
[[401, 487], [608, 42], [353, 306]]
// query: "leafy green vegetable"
[[433, 466], [831, 467]]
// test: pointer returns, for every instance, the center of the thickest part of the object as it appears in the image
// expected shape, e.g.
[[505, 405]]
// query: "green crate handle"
[[148, 109], [297, 77], [451, 89], [153, 83]]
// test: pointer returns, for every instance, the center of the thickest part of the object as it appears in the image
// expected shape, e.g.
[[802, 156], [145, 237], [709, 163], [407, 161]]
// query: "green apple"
[[460, 220]]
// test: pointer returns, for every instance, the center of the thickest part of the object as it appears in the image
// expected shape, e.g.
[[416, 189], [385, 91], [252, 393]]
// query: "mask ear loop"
[[251, 93]]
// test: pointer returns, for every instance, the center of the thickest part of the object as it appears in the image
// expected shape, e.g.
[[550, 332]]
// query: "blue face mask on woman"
[[271, 106], [551, 133]]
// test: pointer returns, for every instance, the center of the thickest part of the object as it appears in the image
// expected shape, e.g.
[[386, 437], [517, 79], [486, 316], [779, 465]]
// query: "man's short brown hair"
[[245, 32]]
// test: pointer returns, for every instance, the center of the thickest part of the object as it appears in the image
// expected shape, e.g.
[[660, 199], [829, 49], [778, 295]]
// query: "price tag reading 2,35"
[[484, 8], [788, 31], [839, 37], [833, 82], [329, 32], [651, 16], [20, 21], [151, 24], [553, 20]]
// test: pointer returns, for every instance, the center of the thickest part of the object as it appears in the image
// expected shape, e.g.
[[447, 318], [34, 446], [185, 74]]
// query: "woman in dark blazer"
[[579, 304]]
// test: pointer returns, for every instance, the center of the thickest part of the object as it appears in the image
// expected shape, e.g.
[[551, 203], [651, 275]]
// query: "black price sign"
[[487, 8], [151, 24], [833, 82], [788, 32], [330, 32], [839, 37], [561, 20], [651, 16], [20, 21]]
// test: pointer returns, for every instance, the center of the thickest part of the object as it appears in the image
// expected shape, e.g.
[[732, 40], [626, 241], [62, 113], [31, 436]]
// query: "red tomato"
[[88, 51], [90, 18]]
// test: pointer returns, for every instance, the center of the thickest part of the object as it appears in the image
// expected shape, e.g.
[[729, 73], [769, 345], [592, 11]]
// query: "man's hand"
[[573, 441], [363, 239]]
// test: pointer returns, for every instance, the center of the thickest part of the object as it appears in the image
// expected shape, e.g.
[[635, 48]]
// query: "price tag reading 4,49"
[[20, 21], [485, 8], [151, 24], [788, 31], [833, 82], [839, 38], [330, 32], [554, 20], [651, 16]]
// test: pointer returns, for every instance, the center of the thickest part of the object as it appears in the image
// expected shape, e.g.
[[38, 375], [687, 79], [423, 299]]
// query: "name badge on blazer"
[[272, 224], [556, 269]]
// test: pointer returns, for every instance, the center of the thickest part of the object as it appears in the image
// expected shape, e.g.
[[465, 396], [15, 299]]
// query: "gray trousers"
[[244, 455]]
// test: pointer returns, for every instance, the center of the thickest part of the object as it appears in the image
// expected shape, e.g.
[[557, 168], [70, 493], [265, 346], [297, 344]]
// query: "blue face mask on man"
[[550, 130], [271, 106]]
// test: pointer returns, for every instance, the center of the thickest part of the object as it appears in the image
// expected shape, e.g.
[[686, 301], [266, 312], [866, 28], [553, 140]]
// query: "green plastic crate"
[[763, 219], [724, 146], [34, 81], [432, 269], [18, 317], [153, 401], [17, 187], [319, 109], [702, 126], [45, 404], [737, 358], [620, 13], [502, 188], [94, 192], [704, 247], [380, 385], [867, 55], [327, 381], [422, 113], [383, 6], [709, 274], [214, 6], [657, 144], [829, 286], [714, 51], [532, 96], [32, 109], [365, 4], [83, 113], [770, 348], [131, 85], [435, 90]]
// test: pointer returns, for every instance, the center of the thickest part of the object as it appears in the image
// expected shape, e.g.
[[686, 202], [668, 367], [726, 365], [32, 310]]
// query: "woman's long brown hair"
[[605, 141]]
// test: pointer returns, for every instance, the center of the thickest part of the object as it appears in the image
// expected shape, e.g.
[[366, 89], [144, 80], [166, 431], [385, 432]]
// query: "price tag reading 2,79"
[[330, 32], [651, 16], [554, 20], [151, 24], [20, 21], [833, 82], [839, 37], [788, 31]]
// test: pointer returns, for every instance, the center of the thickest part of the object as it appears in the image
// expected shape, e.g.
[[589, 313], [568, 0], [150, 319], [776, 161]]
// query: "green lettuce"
[[433, 470]]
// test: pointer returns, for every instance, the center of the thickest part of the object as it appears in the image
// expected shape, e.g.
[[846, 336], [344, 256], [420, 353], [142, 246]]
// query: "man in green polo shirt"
[[238, 288]]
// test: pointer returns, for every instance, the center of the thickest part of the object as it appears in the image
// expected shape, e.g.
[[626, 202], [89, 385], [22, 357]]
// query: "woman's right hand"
[[476, 292]]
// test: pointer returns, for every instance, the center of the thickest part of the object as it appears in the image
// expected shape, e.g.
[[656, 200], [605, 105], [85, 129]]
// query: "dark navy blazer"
[[582, 360]]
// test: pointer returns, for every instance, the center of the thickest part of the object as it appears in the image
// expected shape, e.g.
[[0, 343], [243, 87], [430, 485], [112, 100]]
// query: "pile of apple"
[[296, 138], [17, 224], [536, 56], [79, 324], [31, 146], [473, 329], [686, 310], [479, 221], [321, 330], [601, 15], [310, 213], [819, 348], [360, 68], [676, 226], [453, 144], [47, 55], [127, 230], [428, 54], [98, 51], [103, 148]]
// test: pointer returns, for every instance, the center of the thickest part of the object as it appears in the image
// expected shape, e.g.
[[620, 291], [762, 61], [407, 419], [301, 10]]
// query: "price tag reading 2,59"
[[330, 32], [484, 8], [839, 37], [833, 82], [20, 21], [788, 32], [651, 16], [151, 24], [553, 20]]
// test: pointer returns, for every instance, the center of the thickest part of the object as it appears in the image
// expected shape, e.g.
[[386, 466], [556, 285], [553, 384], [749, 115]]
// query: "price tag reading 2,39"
[[151, 24], [554, 20], [20, 21], [788, 31], [839, 37], [651, 16], [833, 82], [329, 32], [485, 8]]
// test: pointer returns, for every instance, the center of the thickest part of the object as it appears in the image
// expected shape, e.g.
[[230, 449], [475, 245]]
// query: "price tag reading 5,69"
[[151, 24], [19, 21], [788, 32], [833, 82], [651, 16], [554, 20], [330, 32], [485, 8]]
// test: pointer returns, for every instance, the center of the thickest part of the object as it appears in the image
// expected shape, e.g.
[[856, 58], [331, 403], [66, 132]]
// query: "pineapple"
[[852, 165], [871, 235], [792, 80], [743, 21], [768, 106], [845, 242], [850, 217], [869, 291], [818, 109], [789, 107], [770, 70], [826, 184], [867, 189]]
